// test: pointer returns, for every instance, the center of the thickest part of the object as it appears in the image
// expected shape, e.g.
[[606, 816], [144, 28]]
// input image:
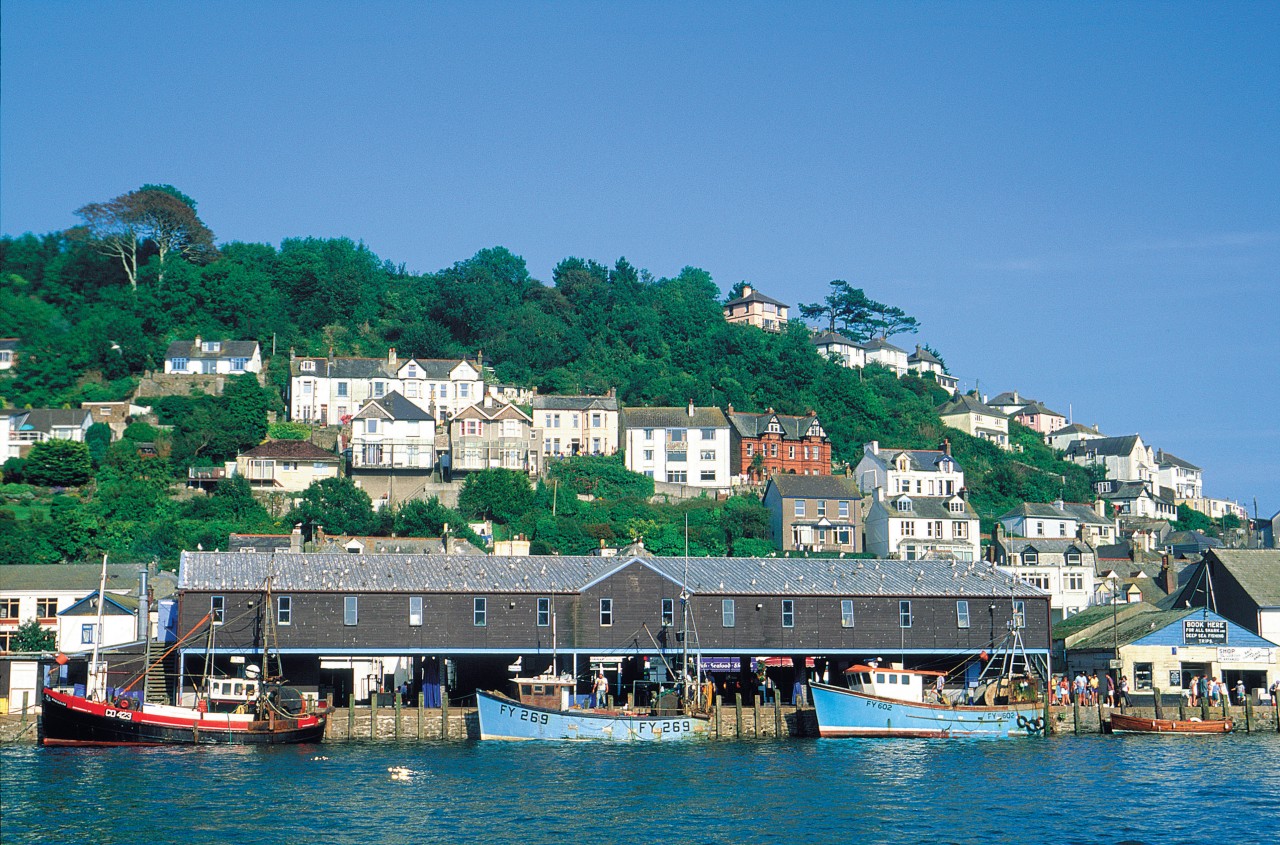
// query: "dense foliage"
[[90, 326]]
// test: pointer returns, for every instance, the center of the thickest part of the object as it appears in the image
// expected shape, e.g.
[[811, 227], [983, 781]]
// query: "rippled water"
[[1224, 790]]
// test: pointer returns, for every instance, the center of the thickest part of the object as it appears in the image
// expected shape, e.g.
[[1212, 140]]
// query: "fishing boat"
[[247, 710], [542, 709], [1124, 724], [279, 716], [883, 701]]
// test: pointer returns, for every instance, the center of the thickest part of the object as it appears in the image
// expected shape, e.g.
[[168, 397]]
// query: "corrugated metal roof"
[[248, 571]]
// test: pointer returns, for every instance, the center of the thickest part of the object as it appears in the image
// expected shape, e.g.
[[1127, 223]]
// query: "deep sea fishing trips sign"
[[1204, 632]]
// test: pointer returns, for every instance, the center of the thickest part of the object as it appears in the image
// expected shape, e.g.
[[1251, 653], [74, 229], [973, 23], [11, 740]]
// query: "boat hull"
[[844, 712], [1123, 724], [71, 720], [505, 719]]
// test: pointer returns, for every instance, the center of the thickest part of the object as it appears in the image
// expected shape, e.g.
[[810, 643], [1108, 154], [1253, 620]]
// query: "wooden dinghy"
[[1120, 723]]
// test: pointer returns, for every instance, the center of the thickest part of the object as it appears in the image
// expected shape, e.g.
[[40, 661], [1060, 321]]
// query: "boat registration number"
[[125, 715], [523, 715]]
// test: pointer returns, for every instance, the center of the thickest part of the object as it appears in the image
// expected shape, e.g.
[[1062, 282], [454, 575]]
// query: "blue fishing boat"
[[883, 701], [542, 710]]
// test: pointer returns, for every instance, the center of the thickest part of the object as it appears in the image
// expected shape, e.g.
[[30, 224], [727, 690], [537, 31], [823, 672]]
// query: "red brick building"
[[762, 445]]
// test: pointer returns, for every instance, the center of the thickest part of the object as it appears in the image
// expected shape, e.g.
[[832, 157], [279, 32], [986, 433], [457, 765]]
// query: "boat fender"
[[124, 703], [1194, 719]]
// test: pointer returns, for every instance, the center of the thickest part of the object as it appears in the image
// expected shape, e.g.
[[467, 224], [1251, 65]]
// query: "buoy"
[[61, 659]]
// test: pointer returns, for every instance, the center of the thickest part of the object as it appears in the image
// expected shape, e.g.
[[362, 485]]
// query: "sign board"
[[726, 664], [1175, 678], [1246, 655], [1204, 631], [1115, 664]]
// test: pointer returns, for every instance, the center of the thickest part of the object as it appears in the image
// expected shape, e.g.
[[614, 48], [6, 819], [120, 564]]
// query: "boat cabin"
[[893, 682], [552, 693], [229, 694]]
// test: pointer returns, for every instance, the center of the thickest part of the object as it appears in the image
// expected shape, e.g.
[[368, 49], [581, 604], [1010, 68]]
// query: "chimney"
[[691, 409], [330, 354], [946, 446], [1095, 429], [747, 291], [144, 606], [480, 359], [872, 448], [444, 537], [295, 539], [1168, 579], [612, 392], [1059, 504], [731, 407], [293, 353], [391, 360], [1100, 507]]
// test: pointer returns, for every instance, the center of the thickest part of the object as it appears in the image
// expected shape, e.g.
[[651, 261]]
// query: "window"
[[371, 426], [181, 363], [962, 614], [648, 454], [904, 614], [480, 612], [909, 528], [800, 508], [1073, 558], [903, 505], [846, 613], [8, 608], [750, 450], [678, 476], [1075, 581], [1062, 529], [379, 389], [955, 507], [606, 612], [708, 475], [668, 611], [844, 510], [305, 366], [597, 421], [788, 613], [86, 633], [1142, 676], [544, 613], [959, 530], [708, 434], [677, 435], [217, 609], [343, 388], [822, 507], [1019, 614], [464, 391], [1030, 558], [284, 610], [708, 454], [238, 364], [46, 608], [648, 434], [773, 450], [727, 618], [1039, 528], [415, 611], [350, 610]]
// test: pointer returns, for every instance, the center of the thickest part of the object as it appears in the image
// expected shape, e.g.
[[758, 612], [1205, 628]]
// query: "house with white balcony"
[[842, 350], [1068, 434], [688, 446], [1184, 478], [393, 449], [1124, 458], [1137, 499], [24, 428], [286, 466], [924, 363], [884, 353], [212, 357], [918, 472], [493, 434], [578, 425], [755, 309], [969, 414], [908, 527]]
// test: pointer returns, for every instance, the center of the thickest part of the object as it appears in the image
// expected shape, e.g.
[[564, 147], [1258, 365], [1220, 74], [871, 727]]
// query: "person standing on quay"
[[1111, 690], [1202, 689], [1093, 688], [1124, 691]]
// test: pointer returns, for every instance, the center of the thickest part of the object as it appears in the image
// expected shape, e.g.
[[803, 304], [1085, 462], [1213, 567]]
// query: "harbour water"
[[1063, 790]]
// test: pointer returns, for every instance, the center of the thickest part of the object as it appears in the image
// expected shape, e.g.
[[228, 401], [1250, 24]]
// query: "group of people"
[[1205, 689], [1090, 690]]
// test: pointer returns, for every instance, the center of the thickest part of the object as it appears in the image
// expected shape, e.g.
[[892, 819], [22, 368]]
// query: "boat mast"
[[266, 620], [554, 654], [98, 679]]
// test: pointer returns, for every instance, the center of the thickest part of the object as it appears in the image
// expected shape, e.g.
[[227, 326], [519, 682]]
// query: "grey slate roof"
[[396, 407], [674, 418], [927, 507], [575, 403], [1256, 570], [756, 425], [755, 296], [301, 450], [1011, 397], [880, 343], [1039, 408], [46, 419], [1074, 428], [248, 571], [1084, 513], [1057, 546], [922, 460], [816, 487], [923, 355], [1103, 446], [354, 368], [229, 349], [24, 577], [1164, 459], [966, 404], [259, 542], [438, 369], [1037, 509], [827, 338], [8, 344]]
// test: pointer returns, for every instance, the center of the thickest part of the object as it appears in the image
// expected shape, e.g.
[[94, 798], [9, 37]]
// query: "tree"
[[888, 320], [743, 517], [110, 229], [58, 463], [98, 438], [335, 504], [499, 494], [846, 308], [30, 637], [159, 215]]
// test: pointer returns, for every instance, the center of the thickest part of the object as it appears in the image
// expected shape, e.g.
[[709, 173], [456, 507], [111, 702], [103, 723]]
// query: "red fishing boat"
[[1122, 724]]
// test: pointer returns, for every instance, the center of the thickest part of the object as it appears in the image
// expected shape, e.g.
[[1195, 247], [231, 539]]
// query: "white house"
[[286, 466], [1124, 458], [923, 362], [968, 414], [1138, 498], [912, 527], [842, 350], [391, 432], [884, 353], [212, 357], [1061, 520], [917, 471], [679, 445], [1185, 479], [1064, 568], [8, 352], [78, 624], [578, 425], [329, 391], [1068, 434], [22, 429]]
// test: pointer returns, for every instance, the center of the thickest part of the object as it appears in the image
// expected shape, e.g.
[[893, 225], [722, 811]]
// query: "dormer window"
[[308, 366], [411, 371], [1030, 558], [903, 505], [211, 346], [774, 428], [955, 506], [1073, 557]]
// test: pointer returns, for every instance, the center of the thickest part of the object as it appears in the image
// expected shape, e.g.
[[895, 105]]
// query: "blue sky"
[[1078, 201]]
